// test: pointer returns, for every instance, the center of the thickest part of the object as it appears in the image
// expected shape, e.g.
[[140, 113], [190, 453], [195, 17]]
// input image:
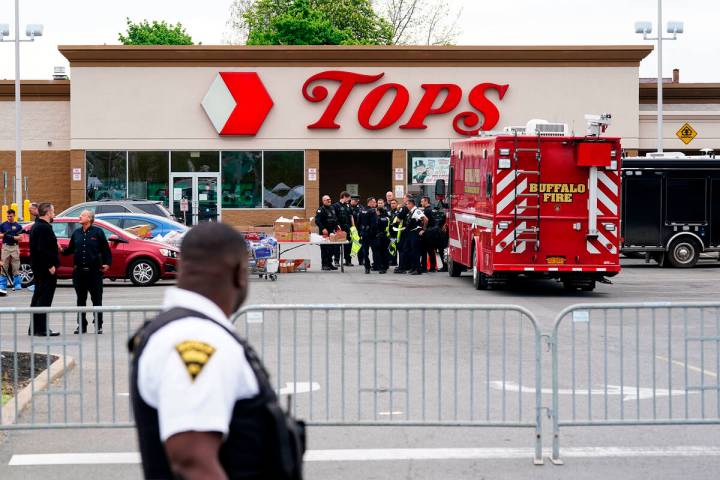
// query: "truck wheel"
[[454, 270], [684, 252], [480, 280], [589, 287]]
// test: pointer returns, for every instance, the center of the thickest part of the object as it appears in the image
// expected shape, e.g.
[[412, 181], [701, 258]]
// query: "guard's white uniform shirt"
[[165, 382], [417, 214]]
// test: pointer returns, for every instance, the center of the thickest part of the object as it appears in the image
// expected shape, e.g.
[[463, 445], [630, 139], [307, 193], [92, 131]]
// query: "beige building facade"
[[247, 134]]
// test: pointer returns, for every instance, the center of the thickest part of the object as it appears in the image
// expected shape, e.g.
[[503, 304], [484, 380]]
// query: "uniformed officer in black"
[[327, 222], [416, 222], [345, 221], [356, 208], [382, 242], [92, 258], [429, 238], [367, 227], [392, 234], [403, 247]]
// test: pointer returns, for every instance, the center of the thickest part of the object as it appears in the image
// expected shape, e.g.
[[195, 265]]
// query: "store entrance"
[[365, 172], [195, 197]]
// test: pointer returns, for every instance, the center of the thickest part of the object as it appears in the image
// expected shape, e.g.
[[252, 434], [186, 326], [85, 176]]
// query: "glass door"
[[195, 197]]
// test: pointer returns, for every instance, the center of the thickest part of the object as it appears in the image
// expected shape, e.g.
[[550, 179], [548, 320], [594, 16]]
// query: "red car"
[[144, 262]]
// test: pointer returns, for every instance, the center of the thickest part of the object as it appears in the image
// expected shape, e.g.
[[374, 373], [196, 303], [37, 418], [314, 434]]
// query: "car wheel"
[[26, 274], [683, 252], [143, 272]]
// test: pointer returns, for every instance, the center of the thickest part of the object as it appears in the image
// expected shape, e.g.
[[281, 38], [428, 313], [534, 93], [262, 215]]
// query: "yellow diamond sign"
[[686, 133]]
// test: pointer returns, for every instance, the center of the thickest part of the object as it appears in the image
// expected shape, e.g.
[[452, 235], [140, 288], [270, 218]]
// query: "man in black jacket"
[[326, 220], [345, 221], [44, 260], [92, 259]]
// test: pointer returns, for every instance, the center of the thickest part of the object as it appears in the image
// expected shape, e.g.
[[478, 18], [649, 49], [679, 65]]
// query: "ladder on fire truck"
[[530, 233]]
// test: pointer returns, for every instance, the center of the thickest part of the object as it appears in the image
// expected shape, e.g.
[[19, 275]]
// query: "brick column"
[[312, 187], [77, 187], [399, 160]]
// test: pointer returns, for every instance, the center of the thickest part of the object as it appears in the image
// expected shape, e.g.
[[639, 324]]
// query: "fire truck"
[[535, 201]]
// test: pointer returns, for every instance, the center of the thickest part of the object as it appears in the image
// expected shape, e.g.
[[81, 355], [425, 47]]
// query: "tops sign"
[[238, 103]]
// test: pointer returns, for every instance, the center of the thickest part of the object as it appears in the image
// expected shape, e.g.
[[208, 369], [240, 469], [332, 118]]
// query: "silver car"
[[151, 207]]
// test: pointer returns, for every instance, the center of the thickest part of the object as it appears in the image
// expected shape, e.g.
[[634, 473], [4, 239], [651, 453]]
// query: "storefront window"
[[148, 176], [283, 185], [106, 175], [424, 168], [195, 161], [242, 179]]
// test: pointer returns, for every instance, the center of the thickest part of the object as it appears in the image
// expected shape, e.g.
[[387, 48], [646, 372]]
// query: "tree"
[[157, 33], [422, 22], [307, 22]]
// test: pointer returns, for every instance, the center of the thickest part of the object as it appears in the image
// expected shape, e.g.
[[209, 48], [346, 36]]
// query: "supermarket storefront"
[[247, 134]]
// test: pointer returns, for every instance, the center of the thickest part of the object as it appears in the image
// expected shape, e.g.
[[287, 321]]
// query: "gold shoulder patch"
[[195, 355]]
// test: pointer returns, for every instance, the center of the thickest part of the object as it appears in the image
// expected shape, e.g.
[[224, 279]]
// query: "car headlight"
[[166, 252]]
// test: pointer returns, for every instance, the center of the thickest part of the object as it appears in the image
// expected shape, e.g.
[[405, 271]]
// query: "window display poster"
[[399, 191], [426, 170], [177, 193]]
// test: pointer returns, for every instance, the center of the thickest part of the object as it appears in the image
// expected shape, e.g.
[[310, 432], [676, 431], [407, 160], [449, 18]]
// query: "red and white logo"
[[237, 103]]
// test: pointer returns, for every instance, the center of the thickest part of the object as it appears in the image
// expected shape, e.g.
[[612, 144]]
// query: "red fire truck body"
[[535, 206]]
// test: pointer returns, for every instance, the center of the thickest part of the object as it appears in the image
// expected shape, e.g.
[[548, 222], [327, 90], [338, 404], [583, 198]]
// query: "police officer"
[[443, 239], [200, 404], [92, 258], [429, 238], [10, 230], [345, 221], [403, 245], [326, 220], [367, 227], [392, 232], [356, 208], [382, 241], [416, 222]]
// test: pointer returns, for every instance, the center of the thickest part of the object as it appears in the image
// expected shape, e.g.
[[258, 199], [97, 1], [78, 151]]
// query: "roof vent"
[[545, 128]]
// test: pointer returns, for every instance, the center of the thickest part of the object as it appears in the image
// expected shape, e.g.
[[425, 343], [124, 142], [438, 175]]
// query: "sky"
[[482, 22]]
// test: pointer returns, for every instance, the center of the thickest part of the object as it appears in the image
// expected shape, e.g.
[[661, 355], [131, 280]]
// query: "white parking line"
[[689, 367], [357, 455]]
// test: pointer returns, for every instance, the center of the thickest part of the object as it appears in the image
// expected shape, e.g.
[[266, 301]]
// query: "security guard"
[[368, 227], [92, 259], [345, 221], [327, 222], [202, 402], [416, 222]]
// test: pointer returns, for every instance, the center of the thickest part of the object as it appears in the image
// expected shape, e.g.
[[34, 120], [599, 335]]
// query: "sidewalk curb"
[[57, 369]]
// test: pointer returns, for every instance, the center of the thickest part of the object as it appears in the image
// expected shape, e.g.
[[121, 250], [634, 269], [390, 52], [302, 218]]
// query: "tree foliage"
[[308, 22], [155, 33], [422, 22]]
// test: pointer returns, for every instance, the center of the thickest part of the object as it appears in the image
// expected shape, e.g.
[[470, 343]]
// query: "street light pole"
[[18, 134], [645, 28], [659, 82]]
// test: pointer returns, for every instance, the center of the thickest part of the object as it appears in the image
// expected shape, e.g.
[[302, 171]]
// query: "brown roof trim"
[[681, 93], [323, 55], [36, 90]]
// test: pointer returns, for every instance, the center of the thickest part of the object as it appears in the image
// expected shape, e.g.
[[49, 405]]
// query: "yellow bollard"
[[4, 213], [14, 207], [26, 210]]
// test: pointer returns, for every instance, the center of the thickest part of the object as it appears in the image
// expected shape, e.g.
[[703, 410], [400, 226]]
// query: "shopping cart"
[[263, 260]]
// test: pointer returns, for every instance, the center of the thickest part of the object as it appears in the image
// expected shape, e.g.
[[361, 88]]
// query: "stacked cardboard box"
[[301, 230], [283, 230]]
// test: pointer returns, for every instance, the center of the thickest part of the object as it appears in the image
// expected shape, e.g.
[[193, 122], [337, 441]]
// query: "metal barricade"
[[71, 381], [402, 365], [635, 364]]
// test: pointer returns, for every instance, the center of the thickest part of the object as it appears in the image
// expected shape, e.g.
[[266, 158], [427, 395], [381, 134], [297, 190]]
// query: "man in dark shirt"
[[326, 220], [345, 221], [367, 227], [9, 230], [429, 238], [92, 259], [44, 260]]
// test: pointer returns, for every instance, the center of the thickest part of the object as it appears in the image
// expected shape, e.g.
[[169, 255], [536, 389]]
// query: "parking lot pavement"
[[393, 452]]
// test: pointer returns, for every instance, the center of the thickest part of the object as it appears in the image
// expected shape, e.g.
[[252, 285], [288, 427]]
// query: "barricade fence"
[[635, 364], [400, 365]]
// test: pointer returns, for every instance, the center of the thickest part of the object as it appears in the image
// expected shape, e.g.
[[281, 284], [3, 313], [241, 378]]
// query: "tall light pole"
[[32, 31], [645, 28]]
